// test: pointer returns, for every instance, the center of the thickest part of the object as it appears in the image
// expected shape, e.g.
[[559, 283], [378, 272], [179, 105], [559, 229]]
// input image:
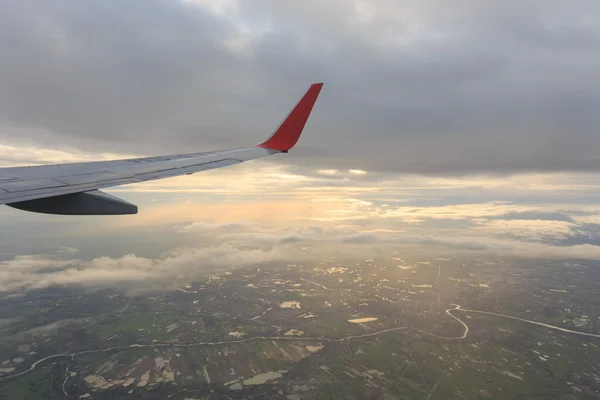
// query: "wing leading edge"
[[73, 189]]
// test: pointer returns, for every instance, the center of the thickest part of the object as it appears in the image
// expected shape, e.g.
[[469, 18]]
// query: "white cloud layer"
[[25, 273], [232, 244], [261, 212]]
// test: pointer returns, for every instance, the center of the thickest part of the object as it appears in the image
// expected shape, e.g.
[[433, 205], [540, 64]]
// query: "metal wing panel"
[[29, 183], [17, 186]]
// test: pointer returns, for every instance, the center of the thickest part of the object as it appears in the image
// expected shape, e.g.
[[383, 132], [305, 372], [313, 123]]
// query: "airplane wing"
[[73, 189]]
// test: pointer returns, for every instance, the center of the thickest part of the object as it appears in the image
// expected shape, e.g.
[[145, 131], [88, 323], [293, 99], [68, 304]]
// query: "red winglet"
[[286, 136]]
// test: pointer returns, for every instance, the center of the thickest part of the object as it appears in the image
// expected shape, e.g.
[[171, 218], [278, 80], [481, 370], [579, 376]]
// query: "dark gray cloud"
[[537, 215], [361, 238], [420, 87]]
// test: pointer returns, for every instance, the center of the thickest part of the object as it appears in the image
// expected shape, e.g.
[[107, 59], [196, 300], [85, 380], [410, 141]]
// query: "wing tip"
[[288, 133]]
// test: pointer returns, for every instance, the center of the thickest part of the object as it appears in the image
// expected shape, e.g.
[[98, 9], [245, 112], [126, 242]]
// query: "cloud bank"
[[210, 237], [424, 107]]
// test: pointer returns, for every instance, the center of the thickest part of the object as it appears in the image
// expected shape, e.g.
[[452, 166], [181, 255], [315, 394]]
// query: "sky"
[[469, 128]]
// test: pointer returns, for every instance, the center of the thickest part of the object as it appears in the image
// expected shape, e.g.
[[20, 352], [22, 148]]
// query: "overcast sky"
[[411, 86], [464, 125]]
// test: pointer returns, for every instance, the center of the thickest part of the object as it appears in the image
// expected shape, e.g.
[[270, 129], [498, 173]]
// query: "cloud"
[[293, 239], [224, 240], [483, 87], [26, 273], [66, 250], [357, 172], [200, 226], [11, 156], [529, 230], [331, 172], [236, 217], [537, 215], [361, 238], [511, 248]]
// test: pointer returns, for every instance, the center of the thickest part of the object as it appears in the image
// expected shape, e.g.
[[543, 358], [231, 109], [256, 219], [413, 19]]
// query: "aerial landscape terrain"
[[377, 328], [433, 234]]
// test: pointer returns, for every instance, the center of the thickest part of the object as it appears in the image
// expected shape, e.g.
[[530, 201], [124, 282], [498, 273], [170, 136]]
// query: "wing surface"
[[27, 187]]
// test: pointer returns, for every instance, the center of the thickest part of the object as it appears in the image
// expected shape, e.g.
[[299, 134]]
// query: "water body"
[[362, 320], [293, 332], [259, 379], [290, 304]]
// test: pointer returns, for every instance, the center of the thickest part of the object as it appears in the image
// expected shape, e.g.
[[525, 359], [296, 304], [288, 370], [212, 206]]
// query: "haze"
[[469, 128]]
